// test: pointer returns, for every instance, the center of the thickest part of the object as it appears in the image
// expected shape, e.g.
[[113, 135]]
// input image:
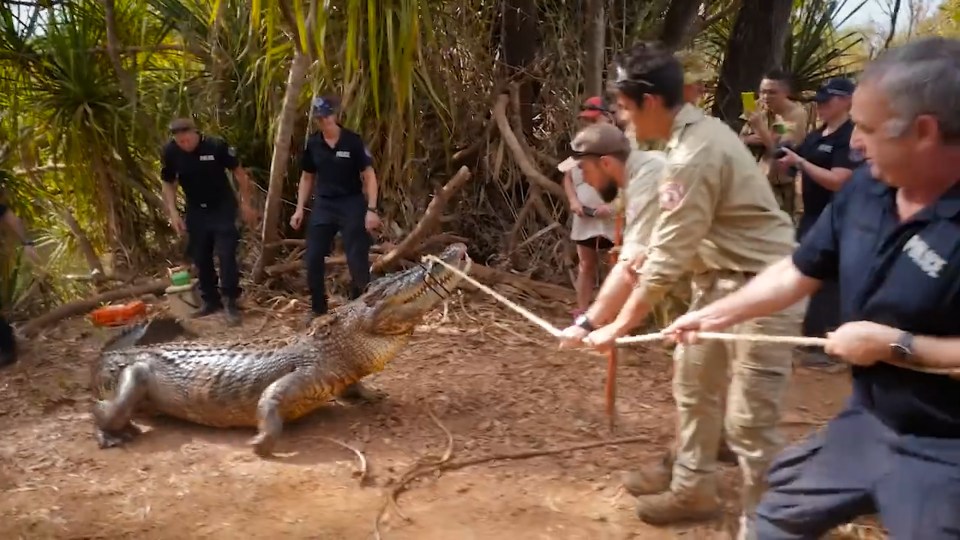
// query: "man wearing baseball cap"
[[198, 163], [611, 165], [337, 170], [825, 162], [593, 227], [695, 75]]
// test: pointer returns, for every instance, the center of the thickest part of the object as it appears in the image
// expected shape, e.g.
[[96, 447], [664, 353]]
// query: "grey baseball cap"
[[595, 140]]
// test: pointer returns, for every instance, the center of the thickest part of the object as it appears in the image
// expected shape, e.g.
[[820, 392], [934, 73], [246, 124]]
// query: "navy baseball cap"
[[322, 107], [837, 87]]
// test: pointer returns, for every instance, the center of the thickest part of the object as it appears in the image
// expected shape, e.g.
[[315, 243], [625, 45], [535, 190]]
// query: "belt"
[[726, 273]]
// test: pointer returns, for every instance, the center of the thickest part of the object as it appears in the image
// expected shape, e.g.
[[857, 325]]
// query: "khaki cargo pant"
[[758, 375]]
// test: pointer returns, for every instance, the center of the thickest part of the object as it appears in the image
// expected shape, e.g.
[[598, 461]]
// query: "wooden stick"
[[611, 386]]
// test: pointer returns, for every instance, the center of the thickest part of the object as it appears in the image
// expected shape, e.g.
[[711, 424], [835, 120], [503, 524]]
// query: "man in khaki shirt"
[[718, 218], [602, 152], [777, 121]]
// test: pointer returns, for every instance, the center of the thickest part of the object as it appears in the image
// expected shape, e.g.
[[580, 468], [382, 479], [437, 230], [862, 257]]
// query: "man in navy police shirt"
[[8, 341], [198, 163], [338, 171], [891, 236]]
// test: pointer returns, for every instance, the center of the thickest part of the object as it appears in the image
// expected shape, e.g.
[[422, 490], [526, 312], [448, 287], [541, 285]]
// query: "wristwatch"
[[374, 210], [583, 322], [28, 242], [902, 350]]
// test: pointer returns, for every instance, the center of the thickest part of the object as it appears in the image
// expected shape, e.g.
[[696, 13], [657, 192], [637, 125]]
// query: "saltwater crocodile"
[[267, 383]]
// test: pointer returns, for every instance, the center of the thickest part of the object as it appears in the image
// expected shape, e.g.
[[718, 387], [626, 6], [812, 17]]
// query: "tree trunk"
[[519, 42], [83, 241], [756, 45], [278, 164], [678, 21], [127, 82], [892, 31], [595, 45]]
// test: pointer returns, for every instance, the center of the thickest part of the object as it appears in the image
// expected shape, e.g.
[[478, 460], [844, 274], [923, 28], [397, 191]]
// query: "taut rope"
[[658, 336]]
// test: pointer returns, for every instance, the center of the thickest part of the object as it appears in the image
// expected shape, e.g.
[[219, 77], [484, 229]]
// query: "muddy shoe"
[[232, 313], [672, 507], [648, 480]]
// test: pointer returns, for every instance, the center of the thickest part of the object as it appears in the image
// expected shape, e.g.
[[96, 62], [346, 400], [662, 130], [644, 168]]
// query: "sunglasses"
[[178, 131]]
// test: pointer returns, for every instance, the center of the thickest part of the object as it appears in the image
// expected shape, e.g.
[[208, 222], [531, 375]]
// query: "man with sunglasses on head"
[[198, 163], [718, 218]]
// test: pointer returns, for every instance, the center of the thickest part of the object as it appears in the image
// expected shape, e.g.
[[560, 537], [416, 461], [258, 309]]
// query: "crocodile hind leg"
[[359, 393], [113, 417], [284, 393]]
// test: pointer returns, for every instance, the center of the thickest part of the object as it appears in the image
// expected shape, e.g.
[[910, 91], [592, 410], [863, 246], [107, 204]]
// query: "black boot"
[[355, 292], [8, 344], [208, 308], [8, 357], [233, 312]]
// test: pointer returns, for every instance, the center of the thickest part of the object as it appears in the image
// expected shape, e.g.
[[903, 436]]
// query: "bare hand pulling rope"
[[659, 336]]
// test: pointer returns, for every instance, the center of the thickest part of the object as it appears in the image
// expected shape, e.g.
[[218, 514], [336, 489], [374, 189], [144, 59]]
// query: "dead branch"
[[430, 219], [420, 468], [516, 149], [492, 276], [517, 125], [356, 451], [80, 306], [295, 261]]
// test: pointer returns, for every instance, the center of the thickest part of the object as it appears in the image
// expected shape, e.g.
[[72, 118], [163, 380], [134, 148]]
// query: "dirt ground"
[[497, 383]]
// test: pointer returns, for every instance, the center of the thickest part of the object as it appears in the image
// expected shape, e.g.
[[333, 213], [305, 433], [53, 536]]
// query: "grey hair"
[[921, 77]]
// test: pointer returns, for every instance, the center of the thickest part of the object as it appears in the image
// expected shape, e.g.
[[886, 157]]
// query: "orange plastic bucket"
[[118, 315]]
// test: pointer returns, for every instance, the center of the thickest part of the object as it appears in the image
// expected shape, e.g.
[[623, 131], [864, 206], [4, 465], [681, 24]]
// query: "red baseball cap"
[[592, 108]]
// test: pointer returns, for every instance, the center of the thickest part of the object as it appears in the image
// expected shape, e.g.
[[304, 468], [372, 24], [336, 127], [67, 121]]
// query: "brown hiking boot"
[[672, 507], [648, 480]]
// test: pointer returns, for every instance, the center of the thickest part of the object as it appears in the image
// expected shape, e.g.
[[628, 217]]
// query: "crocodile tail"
[[129, 336]]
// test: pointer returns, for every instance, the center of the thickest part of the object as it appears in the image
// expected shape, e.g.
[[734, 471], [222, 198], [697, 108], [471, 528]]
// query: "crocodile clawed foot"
[[114, 439], [359, 394], [262, 445]]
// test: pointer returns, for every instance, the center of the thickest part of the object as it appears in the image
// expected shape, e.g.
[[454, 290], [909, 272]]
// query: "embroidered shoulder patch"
[[671, 193]]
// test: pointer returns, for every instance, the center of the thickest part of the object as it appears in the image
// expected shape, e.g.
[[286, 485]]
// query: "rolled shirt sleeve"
[[642, 204]]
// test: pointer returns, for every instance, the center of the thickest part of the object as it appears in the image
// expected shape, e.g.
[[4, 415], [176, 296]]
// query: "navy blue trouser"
[[345, 215], [857, 466], [214, 230], [8, 342]]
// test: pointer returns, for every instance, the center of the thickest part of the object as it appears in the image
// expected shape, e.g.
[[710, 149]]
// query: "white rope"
[[656, 336], [659, 336]]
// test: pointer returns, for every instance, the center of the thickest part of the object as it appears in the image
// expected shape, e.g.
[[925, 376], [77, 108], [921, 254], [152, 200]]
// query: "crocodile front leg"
[[113, 417], [284, 394], [358, 393]]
